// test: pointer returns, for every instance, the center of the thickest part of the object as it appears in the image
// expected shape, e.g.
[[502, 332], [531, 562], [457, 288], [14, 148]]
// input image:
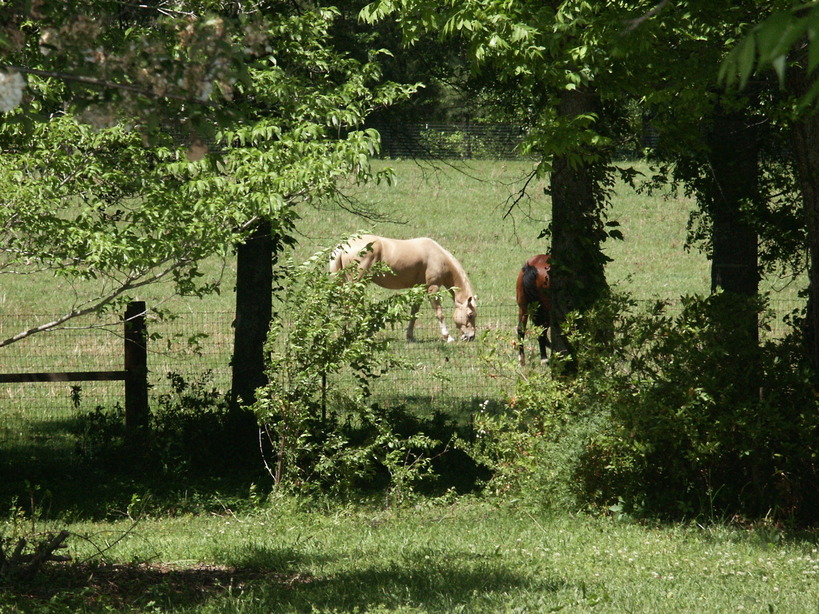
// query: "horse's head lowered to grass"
[[466, 312]]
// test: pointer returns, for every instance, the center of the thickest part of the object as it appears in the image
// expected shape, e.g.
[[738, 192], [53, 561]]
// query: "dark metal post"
[[136, 369]]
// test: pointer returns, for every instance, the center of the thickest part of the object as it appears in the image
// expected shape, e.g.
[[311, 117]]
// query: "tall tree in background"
[[804, 138], [710, 142], [554, 56]]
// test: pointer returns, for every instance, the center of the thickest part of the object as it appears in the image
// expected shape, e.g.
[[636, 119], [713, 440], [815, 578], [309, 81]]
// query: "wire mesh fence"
[[471, 141], [195, 345], [440, 140]]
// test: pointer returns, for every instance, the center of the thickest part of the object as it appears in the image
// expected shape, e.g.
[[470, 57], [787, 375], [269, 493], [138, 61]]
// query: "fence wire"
[[451, 140], [198, 347]]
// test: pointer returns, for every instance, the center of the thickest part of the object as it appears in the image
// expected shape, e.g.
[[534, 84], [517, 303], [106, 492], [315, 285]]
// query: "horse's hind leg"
[[543, 341]]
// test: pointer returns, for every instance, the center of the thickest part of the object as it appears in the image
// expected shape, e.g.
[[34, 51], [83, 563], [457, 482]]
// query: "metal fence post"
[[136, 369]]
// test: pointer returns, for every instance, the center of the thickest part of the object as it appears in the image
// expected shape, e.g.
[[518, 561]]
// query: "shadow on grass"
[[46, 472], [204, 465], [272, 581]]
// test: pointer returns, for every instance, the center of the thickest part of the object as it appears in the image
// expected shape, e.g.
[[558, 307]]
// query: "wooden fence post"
[[136, 369]]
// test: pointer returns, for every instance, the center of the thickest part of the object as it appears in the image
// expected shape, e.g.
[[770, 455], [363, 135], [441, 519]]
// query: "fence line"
[[450, 140], [466, 140], [134, 372], [179, 349], [456, 376]]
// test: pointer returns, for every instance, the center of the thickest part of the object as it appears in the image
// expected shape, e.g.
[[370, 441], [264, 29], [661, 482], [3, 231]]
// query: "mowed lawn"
[[468, 556]]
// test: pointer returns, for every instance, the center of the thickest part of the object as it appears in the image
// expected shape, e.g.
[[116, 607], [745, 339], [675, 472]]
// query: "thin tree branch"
[[93, 305], [106, 84], [633, 24], [521, 194]]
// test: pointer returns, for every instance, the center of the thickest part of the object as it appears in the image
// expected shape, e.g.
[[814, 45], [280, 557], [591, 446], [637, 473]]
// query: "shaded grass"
[[467, 557]]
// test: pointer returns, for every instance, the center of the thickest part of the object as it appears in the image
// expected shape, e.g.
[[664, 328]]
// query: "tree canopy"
[[130, 162]]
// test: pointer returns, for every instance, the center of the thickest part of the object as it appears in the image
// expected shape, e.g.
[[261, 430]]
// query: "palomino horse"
[[414, 262], [533, 295]]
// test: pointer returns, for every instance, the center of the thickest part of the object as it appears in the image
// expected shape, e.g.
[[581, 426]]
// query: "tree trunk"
[[578, 274], [804, 137], [734, 157], [733, 183], [254, 306]]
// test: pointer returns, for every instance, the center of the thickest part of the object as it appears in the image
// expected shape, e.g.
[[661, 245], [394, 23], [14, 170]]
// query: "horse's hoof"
[[449, 339]]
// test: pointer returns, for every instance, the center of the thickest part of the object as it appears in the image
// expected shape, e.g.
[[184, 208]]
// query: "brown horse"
[[534, 296], [414, 262]]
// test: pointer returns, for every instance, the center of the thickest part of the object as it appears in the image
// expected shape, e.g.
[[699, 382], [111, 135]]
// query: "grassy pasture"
[[462, 557]]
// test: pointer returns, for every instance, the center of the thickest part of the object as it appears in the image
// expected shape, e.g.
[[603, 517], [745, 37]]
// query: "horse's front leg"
[[523, 316], [439, 313]]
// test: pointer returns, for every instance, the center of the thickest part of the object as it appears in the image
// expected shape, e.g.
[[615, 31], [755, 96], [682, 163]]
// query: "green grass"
[[462, 557], [470, 208]]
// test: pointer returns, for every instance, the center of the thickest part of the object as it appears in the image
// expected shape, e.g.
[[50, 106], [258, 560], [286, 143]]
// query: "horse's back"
[[406, 258], [540, 261]]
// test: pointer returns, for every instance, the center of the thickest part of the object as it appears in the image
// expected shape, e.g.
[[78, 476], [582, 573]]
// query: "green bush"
[[669, 416], [324, 434]]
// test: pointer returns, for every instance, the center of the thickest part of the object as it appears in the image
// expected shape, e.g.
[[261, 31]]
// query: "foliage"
[[96, 203], [706, 422], [673, 416], [532, 445], [193, 430], [327, 327], [149, 66], [769, 45], [539, 51]]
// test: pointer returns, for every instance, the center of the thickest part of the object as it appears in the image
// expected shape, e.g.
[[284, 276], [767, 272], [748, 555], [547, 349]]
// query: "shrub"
[[324, 434], [193, 430], [671, 416]]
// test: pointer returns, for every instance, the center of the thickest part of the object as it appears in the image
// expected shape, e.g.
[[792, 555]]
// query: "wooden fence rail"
[[134, 372]]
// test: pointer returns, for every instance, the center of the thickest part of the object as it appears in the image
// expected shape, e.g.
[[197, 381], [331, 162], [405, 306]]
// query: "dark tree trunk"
[[578, 273], [733, 173], [734, 168], [254, 306], [734, 158]]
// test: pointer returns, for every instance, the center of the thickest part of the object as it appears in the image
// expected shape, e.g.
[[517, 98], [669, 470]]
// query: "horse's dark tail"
[[534, 295], [530, 290]]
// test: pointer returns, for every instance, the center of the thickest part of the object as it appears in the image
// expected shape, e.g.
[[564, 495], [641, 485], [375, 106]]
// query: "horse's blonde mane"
[[466, 289]]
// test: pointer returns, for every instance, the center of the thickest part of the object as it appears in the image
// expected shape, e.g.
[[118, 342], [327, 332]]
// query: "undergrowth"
[[668, 416]]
